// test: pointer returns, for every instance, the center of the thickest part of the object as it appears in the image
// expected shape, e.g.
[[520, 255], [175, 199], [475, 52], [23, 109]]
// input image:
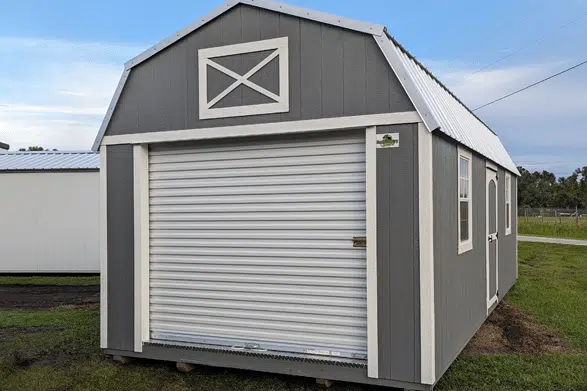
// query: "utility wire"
[[494, 35], [525, 46], [531, 85]]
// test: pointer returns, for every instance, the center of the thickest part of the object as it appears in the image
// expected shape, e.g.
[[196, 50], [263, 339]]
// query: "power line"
[[531, 85], [522, 48], [493, 35]]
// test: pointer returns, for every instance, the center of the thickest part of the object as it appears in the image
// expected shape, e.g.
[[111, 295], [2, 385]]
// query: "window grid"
[[465, 241]]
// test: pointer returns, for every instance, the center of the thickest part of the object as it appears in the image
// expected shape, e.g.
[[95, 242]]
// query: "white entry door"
[[492, 238], [251, 244]]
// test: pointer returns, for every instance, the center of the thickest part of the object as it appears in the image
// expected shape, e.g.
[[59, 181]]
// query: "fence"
[[553, 216]]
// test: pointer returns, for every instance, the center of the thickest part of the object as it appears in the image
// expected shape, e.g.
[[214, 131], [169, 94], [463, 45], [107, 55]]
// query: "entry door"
[[251, 244], [492, 237]]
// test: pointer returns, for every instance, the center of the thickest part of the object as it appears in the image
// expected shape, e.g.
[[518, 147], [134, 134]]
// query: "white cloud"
[[54, 93], [544, 127]]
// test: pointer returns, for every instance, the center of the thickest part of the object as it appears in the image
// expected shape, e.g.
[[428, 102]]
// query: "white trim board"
[[141, 245], [206, 58], [103, 249], [340, 123], [110, 111], [426, 243], [371, 209]]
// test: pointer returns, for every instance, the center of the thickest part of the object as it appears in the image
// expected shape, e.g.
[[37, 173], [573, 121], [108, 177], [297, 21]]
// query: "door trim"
[[491, 175], [371, 211]]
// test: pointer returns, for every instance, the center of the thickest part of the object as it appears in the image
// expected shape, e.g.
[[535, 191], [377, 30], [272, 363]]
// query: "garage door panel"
[[261, 216], [251, 242], [162, 311], [260, 162], [293, 309], [313, 338], [248, 252], [276, 298], [265, 143], [260, 172], [254, 190], [341, 206], [165, 277], [235, 155], [257, 287], [262, 198], [258, 234], [319, 179], [261, 261], [209, 268]]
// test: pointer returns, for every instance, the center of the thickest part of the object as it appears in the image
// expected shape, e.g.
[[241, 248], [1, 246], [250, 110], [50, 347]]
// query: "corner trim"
[[371, 209], [103, 249], [110, 111], [426, 242], [339, 123], [141, 244]]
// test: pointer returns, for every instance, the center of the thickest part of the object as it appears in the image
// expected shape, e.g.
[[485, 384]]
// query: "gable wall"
[[333, 72]]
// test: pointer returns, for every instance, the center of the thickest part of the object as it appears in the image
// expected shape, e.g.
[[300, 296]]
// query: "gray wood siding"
[[333, 72], [398, 267], [120, 237], [460, 284], [460, 280]]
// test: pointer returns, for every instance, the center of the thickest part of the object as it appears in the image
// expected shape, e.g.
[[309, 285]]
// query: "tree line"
[[544, 190]]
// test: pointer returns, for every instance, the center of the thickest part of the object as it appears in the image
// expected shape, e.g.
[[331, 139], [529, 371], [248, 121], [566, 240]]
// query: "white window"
[[465, 207], [508, 204]]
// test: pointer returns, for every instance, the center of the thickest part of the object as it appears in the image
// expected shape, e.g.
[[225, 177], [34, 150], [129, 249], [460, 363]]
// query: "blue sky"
[[59, 64]]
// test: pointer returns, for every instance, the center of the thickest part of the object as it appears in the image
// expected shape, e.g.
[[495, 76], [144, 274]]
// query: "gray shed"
[[289, 191]]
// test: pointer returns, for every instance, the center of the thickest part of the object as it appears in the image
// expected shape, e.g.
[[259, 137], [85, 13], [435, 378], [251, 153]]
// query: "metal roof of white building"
[[49, 160], [439, 108]]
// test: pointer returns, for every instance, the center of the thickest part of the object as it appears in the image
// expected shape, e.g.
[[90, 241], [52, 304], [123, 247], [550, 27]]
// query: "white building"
[[49, 209]]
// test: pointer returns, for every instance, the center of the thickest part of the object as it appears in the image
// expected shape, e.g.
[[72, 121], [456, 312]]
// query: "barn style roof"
[[49, 161], [439, 108]]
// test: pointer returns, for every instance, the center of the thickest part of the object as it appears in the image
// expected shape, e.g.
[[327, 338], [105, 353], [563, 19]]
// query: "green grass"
[[564, 227], [552, 289], [50, 280]]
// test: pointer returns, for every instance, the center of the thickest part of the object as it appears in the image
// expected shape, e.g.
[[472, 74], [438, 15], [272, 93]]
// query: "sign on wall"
[[388, 140], [211, 58]]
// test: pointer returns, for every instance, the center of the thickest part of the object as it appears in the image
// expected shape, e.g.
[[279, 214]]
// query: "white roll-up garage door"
[[251, 244]]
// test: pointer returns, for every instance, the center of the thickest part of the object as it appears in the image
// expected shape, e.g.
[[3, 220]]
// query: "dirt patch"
[[508, 331], [11, 332], [47, 296]]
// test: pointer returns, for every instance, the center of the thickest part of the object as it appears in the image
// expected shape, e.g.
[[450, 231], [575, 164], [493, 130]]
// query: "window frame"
[[466, 245], [508, 201]]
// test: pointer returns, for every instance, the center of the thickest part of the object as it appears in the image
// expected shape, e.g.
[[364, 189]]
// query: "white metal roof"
[[439, 108], [49, 160]]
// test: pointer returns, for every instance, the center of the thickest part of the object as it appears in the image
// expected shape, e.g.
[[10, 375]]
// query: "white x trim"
[[281, 104]]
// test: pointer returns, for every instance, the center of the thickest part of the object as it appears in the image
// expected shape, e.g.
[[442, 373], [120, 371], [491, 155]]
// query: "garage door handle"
[[360, 241]]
